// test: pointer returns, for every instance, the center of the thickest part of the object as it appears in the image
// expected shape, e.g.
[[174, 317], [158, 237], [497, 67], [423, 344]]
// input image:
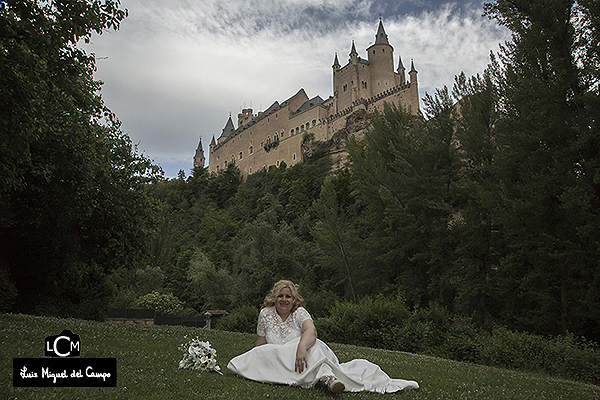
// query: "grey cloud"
[[177, 69]]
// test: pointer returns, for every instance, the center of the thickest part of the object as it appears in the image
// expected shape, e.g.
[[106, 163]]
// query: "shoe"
[[331, 383]]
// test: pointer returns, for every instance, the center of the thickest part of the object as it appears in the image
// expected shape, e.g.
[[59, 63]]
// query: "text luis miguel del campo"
[[64, 368]]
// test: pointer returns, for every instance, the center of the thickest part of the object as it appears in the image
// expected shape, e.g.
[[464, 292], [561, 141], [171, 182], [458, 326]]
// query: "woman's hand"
[[301, 359], [307, 340]]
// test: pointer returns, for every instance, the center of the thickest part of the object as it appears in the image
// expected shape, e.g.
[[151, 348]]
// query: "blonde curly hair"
[[277, 288]]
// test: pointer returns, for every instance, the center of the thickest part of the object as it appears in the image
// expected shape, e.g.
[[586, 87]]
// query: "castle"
[[276, 134]]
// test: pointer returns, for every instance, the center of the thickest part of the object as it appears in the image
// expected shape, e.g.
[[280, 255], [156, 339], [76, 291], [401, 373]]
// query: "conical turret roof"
[[353, 50], [412, 66], [381, 37], [199, 150], [229, 128]]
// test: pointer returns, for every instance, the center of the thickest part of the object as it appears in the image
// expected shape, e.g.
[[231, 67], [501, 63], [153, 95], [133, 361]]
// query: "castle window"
[[297, 129], [251, 150], [261, 144], [241, 155], [277, 163], [217, 168], [250, 170], [294, 157], [314, 122], [307, 126], [225, 163], [292, 132], [302, 128]]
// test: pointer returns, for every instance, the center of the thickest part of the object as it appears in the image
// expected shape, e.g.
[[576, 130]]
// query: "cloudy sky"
[[177, 69]]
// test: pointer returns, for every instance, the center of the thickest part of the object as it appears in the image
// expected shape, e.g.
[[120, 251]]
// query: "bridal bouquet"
[[199, 356]]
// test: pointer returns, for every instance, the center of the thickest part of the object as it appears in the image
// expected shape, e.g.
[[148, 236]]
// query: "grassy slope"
[[148, 356]]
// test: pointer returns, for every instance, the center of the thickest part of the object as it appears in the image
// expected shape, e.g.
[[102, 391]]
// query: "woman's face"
[[284, 302]]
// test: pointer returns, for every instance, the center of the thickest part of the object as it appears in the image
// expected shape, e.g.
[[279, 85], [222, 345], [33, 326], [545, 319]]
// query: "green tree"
[[479, 244], [405, 177], [547, 79], [212, 286], [266, 250], [73, 204], [338, 243], [224, 185]]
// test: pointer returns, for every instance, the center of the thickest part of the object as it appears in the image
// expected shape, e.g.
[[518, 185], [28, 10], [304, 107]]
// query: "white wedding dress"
[[274, 362]]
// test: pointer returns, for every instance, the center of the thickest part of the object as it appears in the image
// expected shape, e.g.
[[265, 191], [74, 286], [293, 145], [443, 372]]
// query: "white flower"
[[199, 356]]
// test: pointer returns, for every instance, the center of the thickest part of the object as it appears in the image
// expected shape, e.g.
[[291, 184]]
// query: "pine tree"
[[548, 163]]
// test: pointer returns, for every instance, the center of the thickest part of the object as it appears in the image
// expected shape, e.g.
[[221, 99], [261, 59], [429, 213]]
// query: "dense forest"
[[487, 204]]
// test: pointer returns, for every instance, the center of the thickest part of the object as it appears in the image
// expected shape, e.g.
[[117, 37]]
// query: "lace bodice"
[[278, 331]]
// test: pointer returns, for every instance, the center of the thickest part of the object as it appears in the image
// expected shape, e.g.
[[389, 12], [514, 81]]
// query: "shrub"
[[163, 303], [242, 319], [369, 322], [566, 356], [463, 341], [385, 323], [320, 303]]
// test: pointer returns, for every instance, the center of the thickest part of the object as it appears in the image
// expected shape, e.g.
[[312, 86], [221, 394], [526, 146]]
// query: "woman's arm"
[[260, 341], [307, 340]]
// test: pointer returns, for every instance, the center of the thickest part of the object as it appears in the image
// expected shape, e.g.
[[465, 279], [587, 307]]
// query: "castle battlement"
[[276, 134]]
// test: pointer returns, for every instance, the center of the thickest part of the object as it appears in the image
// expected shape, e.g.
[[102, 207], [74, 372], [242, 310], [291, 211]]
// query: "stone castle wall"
[[276, 135]]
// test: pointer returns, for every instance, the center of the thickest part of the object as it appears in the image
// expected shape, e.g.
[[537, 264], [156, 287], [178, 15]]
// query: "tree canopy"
[[487, 205], [73, 204]]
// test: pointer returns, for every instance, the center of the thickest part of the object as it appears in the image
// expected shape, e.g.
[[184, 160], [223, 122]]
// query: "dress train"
[[272, 363]]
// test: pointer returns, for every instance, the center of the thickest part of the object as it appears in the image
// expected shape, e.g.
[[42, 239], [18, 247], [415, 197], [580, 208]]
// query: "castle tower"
[[336, 63], [354, 82], [199, 158], [245, 116], [336, 70], [353, 55], [381, 62], [413, 73], [401, 71], [362, 84]]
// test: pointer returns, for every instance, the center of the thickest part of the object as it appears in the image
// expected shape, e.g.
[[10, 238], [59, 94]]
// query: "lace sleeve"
[[301, 316], [261, 327]]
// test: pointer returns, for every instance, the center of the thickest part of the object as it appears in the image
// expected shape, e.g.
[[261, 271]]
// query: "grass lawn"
[[148, 356]]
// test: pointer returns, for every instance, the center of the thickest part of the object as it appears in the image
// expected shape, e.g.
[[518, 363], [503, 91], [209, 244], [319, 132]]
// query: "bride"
[[288, 352]]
